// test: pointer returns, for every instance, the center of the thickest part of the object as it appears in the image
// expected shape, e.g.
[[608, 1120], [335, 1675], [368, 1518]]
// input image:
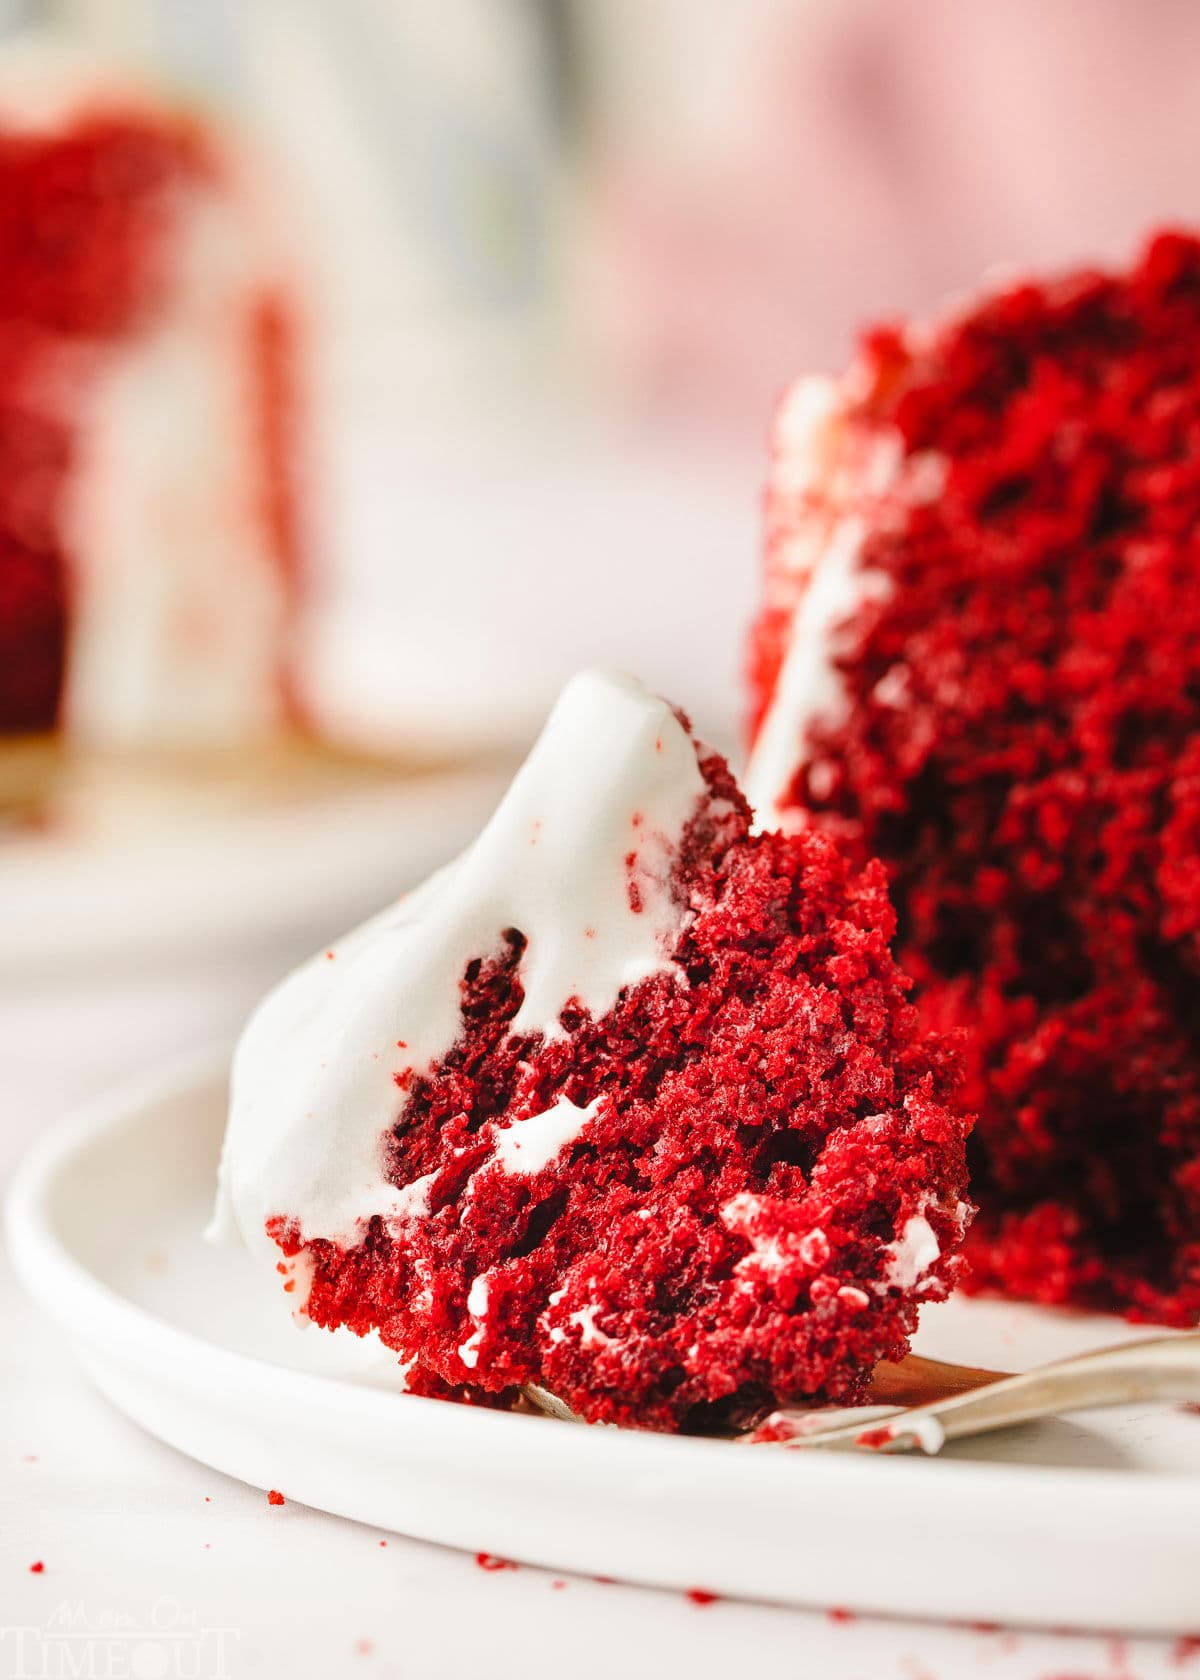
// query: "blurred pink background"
[[567, 255], [850, 159]]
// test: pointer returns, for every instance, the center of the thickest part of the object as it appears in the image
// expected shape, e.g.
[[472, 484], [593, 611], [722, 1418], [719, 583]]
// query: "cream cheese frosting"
[[179, 600], [579, 857], [833, 478], [818, 468]]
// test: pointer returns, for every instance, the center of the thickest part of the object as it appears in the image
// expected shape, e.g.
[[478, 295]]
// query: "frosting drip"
[[579, 857]]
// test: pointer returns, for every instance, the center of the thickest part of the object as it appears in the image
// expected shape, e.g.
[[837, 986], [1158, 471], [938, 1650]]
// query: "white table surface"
[[159, 1566]]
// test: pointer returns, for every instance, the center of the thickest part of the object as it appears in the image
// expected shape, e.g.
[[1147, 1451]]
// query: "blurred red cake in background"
[[148, 535], [978, 658]]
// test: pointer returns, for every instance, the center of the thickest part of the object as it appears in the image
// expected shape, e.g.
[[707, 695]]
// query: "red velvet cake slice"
[[627, 1102], [978, 659]]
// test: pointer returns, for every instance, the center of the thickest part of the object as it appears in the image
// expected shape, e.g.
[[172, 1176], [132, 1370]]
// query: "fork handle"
[[1165, 1368]]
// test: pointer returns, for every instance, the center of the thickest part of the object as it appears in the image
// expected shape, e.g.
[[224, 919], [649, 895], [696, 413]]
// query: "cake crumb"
[[700, 1596], [38, 1568], [274, 1497], [487, 1560], [838, 1613]]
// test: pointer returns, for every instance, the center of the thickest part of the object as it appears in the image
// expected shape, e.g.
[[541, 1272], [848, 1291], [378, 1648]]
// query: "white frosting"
[[177, 610], [412, 1200], [807, 436], [906, 1260], [816, 465], [178, 604], [911, 1255], [590, 1335], [776, 1252], [477, 1306], [529, 1145], [593, 819], [928, 1433]]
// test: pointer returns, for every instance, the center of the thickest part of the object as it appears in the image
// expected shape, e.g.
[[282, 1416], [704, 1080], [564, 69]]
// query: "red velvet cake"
[[979, 660], [628, 1102], [147, 526]]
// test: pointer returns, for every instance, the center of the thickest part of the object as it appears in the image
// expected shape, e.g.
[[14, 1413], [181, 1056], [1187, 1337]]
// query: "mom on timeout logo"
[[164, 1642]]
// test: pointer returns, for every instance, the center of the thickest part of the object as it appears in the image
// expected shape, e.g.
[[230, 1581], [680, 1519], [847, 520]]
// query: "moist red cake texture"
[[85, 224], [1021, 747], [770, 1183]]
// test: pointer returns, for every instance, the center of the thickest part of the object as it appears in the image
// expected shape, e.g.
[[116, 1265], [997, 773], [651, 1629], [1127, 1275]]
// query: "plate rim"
[[37, 1253], [63, 1284]]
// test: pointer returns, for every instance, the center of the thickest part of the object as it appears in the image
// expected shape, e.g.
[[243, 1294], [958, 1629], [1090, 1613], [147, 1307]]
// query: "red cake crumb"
[[38, 1568], [837, 1613], [734, 1231], [275, 1497], [1021, 747], [487, 1560], [700, 1596], [882, 1436]]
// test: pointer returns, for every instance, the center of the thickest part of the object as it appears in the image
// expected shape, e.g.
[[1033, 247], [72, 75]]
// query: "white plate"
[[303, 868], [1078, 1522]]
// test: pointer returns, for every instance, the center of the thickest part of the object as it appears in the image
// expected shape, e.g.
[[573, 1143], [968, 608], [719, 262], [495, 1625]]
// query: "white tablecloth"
[[156, 1566]]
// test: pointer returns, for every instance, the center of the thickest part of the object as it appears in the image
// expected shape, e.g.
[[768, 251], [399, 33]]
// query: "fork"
[[910, 1381], [1165, 1368], [968, 1401]]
